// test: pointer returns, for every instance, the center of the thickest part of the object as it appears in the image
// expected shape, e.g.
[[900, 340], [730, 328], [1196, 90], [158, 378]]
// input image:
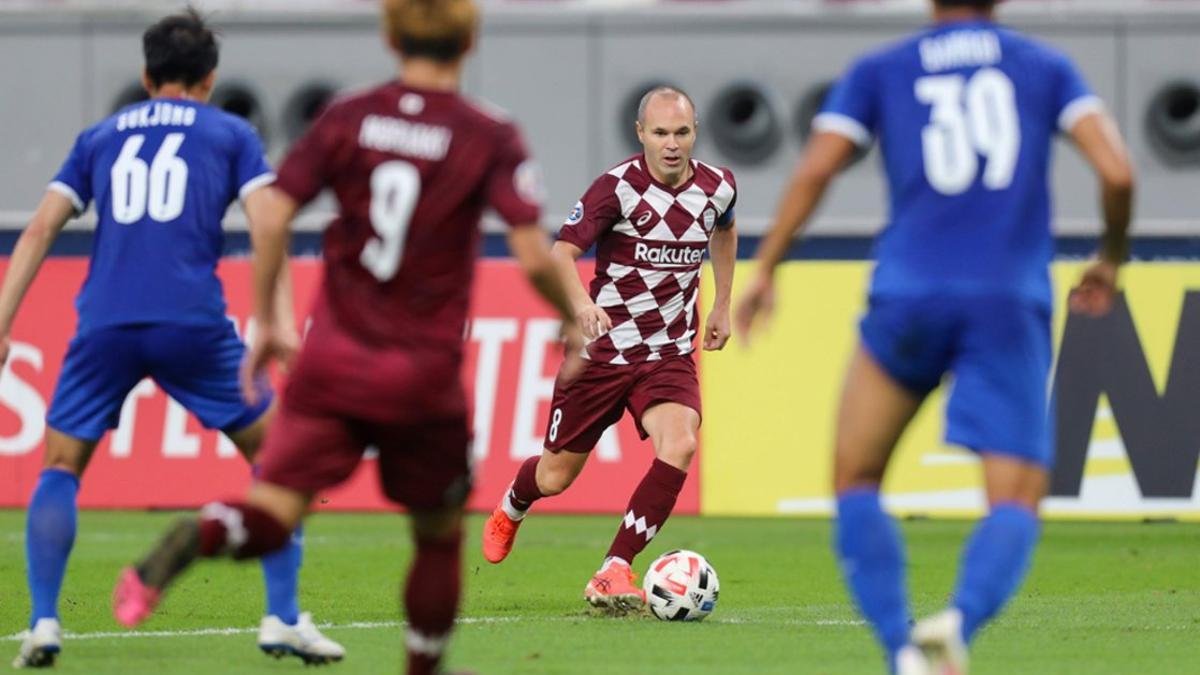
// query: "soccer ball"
[[681, 586]]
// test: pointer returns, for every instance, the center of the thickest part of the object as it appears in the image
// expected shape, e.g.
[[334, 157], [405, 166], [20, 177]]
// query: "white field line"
[[370, 625]]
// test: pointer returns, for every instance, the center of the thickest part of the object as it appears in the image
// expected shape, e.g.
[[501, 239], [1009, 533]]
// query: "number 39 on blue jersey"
[[965, 113]]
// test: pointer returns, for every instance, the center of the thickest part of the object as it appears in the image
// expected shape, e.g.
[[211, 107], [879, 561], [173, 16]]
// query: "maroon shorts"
[[424, 466], [585, 407]]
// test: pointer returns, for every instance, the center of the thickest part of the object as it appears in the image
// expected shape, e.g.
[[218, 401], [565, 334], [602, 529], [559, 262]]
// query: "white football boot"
[[40, 646], [302, 640], [911, 661], [940, 637]]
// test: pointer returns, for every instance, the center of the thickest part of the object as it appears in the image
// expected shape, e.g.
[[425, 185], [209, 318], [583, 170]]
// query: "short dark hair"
[[179, 48], [977, 4]]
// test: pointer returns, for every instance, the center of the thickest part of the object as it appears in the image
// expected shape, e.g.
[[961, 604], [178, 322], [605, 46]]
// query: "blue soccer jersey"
[[965, 114], [162, 174]]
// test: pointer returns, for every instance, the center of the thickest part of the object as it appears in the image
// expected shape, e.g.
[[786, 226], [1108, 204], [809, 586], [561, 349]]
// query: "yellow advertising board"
[[770, 406]]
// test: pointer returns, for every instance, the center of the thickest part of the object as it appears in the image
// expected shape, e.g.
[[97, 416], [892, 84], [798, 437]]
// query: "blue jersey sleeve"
[[251, 169], [851, 108], [74, 179], [1072, 98]]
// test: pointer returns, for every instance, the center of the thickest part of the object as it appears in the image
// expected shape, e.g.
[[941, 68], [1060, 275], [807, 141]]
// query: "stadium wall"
[[571, 74]]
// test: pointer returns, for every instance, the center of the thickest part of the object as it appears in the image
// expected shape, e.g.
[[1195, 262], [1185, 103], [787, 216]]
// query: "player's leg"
[[281, 569], [198, 366], [999, 403], [427, 468], [49, 536], [665, 403], [673, 429], [239, 530], [433, 586], [97, 374], [304, 453], [579, 413], [874, 411]]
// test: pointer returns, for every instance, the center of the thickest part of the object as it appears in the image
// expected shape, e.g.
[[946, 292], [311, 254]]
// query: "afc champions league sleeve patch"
[[529, 182], [576, 216], [710, 219]]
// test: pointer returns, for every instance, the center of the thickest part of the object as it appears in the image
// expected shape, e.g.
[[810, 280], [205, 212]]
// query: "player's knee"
[[678, 450], [554, 481], [64, 453], [849, 476]]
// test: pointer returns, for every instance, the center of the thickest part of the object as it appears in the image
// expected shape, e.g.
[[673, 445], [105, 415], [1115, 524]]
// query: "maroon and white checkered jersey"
[[650, 242]]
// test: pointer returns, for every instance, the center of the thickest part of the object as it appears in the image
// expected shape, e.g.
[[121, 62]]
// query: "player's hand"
[[271, 343], [716, 329], [756, 305], [593, 321], [1096, 290]]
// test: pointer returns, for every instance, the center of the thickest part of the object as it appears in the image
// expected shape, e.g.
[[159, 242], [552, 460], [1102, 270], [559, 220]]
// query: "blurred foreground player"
[[966, 112], [651, 217], [162, 174], [413, 165]]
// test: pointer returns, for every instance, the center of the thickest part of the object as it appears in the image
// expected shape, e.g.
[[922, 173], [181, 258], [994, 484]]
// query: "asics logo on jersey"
[[667, 254], [644, 218]]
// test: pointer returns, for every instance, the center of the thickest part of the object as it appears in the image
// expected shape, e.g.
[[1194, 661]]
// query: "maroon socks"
[[649, 508], [431, 601], [524, 491], [240, 531]]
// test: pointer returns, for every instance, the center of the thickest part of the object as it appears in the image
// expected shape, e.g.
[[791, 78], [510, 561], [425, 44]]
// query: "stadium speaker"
[[304, 105], [1173, 122], [132, 93], [743, 122], [810, 104], [628, 112], [241, 100]]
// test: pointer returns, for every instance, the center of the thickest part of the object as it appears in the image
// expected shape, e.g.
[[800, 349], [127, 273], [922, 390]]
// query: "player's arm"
[[259, 206], [270, 212], [723, 253], [49, 219], [824, 157], [1098, 140], [528, 246], [592, 319]]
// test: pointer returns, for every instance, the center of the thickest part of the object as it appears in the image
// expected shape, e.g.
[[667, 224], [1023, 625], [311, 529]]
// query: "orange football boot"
[[615, 587], [499, 533]]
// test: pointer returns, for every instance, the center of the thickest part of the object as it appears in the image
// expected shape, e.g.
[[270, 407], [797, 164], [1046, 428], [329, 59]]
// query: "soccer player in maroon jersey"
[[651, 218], [413, 165]]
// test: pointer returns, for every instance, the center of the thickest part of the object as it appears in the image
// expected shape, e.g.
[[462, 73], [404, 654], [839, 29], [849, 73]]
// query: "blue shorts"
[[195, 365], [997, 351]]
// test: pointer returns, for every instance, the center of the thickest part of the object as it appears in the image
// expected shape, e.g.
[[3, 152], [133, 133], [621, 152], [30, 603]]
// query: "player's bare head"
[[437, 30], [666, 126], [180, 49], [668, 96]]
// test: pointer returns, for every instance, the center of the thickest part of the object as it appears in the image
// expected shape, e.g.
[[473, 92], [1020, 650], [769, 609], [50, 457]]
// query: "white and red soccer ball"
[[681, 586]]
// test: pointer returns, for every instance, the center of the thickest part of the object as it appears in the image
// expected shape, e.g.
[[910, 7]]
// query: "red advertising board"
[[160, 456]]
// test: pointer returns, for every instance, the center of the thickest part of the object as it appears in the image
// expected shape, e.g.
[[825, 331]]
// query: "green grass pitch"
[[1103, 598]]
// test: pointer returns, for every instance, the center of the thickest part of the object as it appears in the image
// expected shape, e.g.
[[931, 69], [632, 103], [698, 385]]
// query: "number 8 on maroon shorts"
[[582, 409]]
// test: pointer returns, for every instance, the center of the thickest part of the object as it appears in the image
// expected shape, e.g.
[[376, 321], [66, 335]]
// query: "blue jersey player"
[[965, 113], [161, 174]]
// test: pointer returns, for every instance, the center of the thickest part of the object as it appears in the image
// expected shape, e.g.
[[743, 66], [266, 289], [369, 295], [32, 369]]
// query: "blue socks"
[[281, 570], [872, 560], [49, 536], [994, 562]]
